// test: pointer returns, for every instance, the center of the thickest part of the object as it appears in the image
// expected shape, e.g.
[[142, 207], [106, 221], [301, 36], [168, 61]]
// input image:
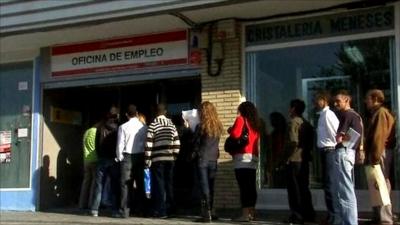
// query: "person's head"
[[342, 100], [374, 98], [277, 120], [113, 113], [161, 109], [297, 107], [131, 111], [322, 99], [248, 110], [209, 121], [142, 118]]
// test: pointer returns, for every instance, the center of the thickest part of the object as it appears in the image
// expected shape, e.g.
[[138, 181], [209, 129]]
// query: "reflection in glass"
[[276, 76]]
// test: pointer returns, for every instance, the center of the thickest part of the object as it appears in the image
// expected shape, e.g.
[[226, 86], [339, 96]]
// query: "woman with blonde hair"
[[206, 153]]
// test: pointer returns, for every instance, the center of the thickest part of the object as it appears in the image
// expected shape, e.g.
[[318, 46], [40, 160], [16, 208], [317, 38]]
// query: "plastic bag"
[[147, 182]]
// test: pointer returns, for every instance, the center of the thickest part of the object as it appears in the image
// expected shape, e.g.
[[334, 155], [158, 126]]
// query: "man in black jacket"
[[106, 141]]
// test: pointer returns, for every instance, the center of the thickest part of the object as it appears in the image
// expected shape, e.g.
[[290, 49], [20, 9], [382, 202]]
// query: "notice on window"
[[23, 86], [5, 146], [22, 132]]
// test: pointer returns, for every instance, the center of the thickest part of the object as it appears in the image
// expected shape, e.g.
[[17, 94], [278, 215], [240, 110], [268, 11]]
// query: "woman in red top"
[[246, 159]]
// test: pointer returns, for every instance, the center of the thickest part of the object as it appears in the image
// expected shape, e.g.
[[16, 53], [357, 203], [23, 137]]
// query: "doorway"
[[68, 112]]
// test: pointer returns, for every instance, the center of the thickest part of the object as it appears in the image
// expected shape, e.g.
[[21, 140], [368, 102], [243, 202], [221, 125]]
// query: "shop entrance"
[[68, 112]]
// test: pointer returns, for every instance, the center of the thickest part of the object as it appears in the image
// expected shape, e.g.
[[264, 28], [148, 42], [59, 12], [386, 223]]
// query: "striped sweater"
[[162, 140]]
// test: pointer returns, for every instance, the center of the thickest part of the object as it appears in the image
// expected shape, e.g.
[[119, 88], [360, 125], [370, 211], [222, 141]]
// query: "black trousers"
[[132, 176], [326, 166], [299, 194], [246, 179], [162, 187]]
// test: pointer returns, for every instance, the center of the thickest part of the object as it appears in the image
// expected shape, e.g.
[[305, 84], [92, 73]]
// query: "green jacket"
[[89, 145]]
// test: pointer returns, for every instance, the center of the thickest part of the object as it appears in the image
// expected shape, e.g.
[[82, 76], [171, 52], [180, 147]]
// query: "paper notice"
[[5, 137], [23, 85], [22, 132]]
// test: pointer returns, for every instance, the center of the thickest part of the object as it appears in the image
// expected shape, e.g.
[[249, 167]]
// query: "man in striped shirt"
[[162, 148]]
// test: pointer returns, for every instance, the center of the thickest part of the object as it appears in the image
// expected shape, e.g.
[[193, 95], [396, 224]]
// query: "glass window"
[[15, 125], [277, 76]]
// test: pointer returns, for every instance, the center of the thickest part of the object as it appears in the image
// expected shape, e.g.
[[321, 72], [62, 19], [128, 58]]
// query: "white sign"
[[121, 54], [22, 132], [23, 86], [5, 137]]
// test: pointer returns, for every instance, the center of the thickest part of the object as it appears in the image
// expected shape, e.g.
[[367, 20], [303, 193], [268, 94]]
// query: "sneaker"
[[94, 213]]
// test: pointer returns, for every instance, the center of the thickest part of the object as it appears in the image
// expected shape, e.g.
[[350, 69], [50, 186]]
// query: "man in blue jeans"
[[328, 124], [342, 189], [106, 140]]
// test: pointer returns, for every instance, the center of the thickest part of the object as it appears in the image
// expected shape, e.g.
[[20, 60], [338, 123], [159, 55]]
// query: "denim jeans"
[[162, 187], [207, 173], [327, 161], [342, 188], [105, 167]]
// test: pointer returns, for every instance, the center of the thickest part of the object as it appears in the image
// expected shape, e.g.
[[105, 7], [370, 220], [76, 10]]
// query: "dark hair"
[[132, 111], [112, 113], [298, 105], [278, 120], [343, 92], [161, 109], [324, 95], [248, 110]]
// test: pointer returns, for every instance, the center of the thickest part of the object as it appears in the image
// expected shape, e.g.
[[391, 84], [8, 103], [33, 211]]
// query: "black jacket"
[[106, 139]]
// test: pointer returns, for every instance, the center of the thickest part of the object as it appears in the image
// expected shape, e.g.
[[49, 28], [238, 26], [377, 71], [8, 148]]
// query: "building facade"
[[63, 63]]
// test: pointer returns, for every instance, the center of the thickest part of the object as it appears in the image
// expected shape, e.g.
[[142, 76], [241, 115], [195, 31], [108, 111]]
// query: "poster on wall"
[[59, 115], [5, 146]]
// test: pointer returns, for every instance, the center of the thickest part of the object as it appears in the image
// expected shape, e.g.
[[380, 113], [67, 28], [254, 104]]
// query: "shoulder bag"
[[233, 145]]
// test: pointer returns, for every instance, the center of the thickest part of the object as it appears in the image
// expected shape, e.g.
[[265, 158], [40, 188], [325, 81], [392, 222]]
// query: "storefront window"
[[274, 77]]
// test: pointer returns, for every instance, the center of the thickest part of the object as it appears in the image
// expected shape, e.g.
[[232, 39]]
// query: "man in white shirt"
[[328, 124], [130, 152]]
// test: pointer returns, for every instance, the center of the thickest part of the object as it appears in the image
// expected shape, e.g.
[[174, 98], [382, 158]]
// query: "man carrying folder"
[[379, 144], [344, 198]]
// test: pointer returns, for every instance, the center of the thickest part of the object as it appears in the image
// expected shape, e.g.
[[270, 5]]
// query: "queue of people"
[[341, 137]]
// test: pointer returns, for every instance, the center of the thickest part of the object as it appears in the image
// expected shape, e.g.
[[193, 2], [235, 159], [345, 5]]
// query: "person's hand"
[[339, 145], [360, 157], [147, 163], [186, 124], [229, 130], [118, 160]]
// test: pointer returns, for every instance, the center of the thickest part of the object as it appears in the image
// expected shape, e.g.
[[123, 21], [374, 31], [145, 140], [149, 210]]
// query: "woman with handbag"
[[246, 158], [205, 154]]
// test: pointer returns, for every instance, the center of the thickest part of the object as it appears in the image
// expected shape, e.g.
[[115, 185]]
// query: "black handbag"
[[233, 145]]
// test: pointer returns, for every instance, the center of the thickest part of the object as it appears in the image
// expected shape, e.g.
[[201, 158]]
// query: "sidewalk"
[[73, 217]]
